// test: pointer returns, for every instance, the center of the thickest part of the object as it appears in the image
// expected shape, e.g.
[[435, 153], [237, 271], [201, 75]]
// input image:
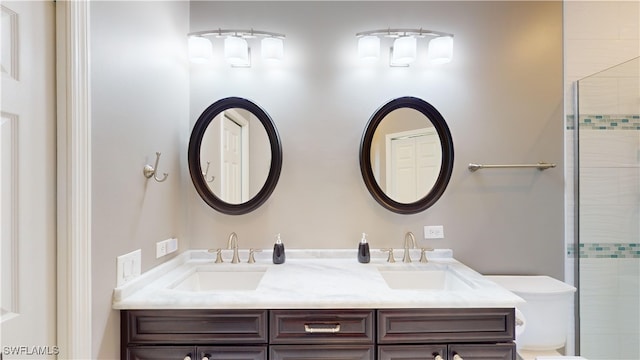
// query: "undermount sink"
[[423, 279], [228, 279]]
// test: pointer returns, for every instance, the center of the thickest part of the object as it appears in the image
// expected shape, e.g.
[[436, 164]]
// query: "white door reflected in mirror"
[[235, 150], [406, 155]]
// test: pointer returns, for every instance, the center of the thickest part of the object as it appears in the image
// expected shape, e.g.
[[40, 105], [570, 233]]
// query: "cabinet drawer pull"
[[457, 357], [438, 357], [325, 330], [188, 357], [206, 357]]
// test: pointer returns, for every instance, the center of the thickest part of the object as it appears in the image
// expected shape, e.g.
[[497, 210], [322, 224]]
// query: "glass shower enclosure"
[[606, 247]]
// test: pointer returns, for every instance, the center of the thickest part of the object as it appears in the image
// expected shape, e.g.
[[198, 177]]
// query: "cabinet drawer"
[[505, 351], [411, 352], [321, 326], [446, 325], [194, 326], [322, 352]]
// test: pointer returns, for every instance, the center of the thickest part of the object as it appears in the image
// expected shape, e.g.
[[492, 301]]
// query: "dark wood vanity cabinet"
[[322, 334], [471, 334], [194, 334], [169, 352], [351, 334]]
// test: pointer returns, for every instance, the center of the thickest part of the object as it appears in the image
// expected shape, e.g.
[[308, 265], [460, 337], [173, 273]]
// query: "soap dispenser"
[[278, 251], [363, 250]]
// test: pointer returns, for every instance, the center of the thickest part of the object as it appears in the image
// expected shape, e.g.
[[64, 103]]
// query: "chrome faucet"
[[233, 244], [409, 243]]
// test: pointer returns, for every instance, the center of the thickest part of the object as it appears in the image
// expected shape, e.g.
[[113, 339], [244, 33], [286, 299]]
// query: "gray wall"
[[139, 92], [502, 97]]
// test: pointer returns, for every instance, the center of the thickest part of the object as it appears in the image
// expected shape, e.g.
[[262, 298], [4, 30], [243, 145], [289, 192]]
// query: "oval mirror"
[[234, 156], [406, 155]]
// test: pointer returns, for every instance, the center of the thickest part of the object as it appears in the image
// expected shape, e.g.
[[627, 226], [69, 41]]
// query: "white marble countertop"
[[309, 279]]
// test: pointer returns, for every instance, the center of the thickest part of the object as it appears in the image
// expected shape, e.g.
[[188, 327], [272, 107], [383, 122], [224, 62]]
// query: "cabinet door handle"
[[206, 357], [438, 357], [187, 357], [457, 357], [308, 328]]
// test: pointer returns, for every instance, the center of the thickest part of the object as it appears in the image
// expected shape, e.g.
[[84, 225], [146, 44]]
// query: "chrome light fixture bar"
[[236, 48], [404, 49]]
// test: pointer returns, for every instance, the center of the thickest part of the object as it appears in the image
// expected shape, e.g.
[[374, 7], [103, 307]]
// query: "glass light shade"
[[369, 47], [236, 51], [440, 50], [404, 50], [200, 49], [272, 48]]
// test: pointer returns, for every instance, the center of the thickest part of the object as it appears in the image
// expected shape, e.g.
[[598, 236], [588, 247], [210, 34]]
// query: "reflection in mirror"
[[406, 155], [235, 155]]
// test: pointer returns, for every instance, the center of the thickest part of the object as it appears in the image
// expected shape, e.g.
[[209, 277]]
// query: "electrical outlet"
[[128, 267], [434, 232], [166, 247]]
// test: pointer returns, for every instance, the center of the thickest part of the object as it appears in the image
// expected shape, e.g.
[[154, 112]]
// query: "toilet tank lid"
[[532, 284]]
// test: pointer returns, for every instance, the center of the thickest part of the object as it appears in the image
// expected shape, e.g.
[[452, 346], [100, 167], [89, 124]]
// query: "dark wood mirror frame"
[[195, 167], [447, 156]]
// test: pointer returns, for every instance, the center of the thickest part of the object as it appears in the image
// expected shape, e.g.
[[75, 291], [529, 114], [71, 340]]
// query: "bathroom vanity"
[[316, 307], [353, 334]]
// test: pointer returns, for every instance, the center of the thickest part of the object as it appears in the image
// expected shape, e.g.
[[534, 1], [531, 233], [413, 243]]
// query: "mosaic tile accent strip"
[[605, 122], [605, 251]]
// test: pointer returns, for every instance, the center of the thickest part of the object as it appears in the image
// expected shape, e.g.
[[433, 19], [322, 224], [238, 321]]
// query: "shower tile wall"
[[610, 232], [599, 35]]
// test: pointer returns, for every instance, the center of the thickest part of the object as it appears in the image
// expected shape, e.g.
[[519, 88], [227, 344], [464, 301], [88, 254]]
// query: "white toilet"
[[541, 329]]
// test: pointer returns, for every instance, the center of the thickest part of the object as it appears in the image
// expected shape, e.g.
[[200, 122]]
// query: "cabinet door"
[[232, 352], [161, 353], [412, 352], [506, 351], [321, 352]]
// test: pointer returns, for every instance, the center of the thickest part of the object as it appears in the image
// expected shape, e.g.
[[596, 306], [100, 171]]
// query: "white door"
[[231, 162], [415, 160], [403, 170], [27, 181], [428, 161]]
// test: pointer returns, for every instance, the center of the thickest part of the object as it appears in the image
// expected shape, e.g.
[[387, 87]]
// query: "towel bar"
[[540, 166]]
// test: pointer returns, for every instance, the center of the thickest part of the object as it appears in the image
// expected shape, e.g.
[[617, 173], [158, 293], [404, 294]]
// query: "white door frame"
[[73, 180]]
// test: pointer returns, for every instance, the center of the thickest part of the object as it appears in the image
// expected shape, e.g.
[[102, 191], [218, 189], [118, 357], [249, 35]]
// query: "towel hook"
[[204, 174], [151, 171]]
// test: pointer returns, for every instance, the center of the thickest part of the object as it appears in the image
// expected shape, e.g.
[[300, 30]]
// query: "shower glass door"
[[608, 214]]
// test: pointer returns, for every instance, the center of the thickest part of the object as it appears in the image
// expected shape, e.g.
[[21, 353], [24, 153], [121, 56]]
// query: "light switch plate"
[[434, 232], [166, 247], [128, 267]]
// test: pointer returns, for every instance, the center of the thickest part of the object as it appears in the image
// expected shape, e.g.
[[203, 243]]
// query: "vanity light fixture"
[[404, 50], [200, 49], [440, 50], [237, 51], [369, 47], [272, 48]]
